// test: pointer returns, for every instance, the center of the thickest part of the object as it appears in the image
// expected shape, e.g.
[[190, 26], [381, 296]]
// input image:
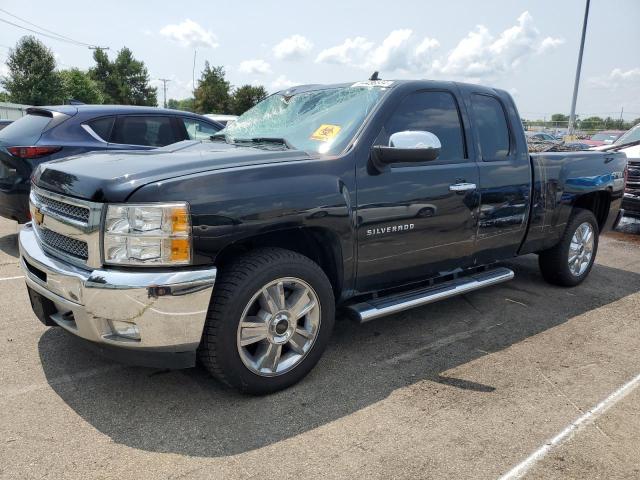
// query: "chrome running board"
[[381, 306]]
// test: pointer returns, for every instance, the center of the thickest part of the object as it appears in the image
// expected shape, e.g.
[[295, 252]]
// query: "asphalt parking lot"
[[507, 379]]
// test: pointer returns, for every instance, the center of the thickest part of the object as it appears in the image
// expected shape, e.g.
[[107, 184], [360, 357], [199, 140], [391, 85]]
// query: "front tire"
[[269, 321], [569, 262]]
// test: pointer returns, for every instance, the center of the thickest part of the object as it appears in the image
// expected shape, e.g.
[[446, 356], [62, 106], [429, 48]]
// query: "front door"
[[418, 220]]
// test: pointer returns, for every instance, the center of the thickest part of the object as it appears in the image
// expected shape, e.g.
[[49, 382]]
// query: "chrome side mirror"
[[407, 146], [415, 140]]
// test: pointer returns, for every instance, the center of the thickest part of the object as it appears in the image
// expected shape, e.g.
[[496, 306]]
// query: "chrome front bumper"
[[168, 307]]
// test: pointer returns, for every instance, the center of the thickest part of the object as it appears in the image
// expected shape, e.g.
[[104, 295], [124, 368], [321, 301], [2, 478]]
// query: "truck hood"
[[113, 176]]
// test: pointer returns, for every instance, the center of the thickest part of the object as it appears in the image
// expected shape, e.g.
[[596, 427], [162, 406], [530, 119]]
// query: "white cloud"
[[281, 83], [349, 52], [617, 79], [481, 54], [478, 54], [617, 74], [294, 47], [190, 34], [400, 51], [550, 43], [254, 67]]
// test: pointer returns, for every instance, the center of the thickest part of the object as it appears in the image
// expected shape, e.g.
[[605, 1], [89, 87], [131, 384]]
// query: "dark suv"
[[50, 133]]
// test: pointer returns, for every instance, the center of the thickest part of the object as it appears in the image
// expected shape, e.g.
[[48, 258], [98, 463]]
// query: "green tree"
[[212, 93], [77, 85], [245, 97], [591, 123], [559, 117], [186, 104], [125, 80], [32, 78]]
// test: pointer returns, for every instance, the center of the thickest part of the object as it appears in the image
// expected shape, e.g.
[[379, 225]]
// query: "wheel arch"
[[597, 203], [320, 245]]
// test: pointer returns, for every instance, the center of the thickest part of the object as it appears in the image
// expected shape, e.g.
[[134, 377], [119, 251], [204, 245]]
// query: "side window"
[[102, 127], [197, 130], [491, 124], [153, 131], [435, 112]]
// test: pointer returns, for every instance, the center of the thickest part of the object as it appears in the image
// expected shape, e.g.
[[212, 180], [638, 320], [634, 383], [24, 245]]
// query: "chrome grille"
[[633, 181], [66, 210], [67, 227], [62, 243]]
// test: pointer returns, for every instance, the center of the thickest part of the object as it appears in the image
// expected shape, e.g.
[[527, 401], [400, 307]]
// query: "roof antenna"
[[374, 77]]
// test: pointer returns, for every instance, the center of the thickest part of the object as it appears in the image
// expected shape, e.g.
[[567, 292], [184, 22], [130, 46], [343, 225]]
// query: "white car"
[[631, 135]]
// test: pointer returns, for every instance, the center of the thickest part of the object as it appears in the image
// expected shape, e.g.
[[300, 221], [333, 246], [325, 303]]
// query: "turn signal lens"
[[180, 250], [179, 220]]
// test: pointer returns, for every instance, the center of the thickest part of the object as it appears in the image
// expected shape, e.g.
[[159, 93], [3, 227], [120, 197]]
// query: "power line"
[[42, 28], [53, 37]]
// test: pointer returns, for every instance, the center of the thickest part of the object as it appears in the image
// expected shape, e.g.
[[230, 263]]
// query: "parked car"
[[626, 140], [222, 119], [606, 137], [541, 136], [4, 123], [218, 249], [629, 144], [51, 133]]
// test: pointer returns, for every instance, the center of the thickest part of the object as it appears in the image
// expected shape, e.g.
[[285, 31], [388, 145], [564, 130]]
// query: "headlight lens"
[[147, 234]]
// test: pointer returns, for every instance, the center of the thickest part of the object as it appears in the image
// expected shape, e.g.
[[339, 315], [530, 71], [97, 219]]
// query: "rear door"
[[144, 131], [413, 222], [505, 176]]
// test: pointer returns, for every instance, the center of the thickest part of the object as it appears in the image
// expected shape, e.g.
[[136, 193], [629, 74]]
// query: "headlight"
[[147, 234]]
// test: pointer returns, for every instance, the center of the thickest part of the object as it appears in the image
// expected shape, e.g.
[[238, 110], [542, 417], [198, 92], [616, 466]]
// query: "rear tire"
[[269, 321], [569, 262]]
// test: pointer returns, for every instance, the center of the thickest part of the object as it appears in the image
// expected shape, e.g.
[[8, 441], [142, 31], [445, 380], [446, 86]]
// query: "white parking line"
[[11, 278], [591, 415]]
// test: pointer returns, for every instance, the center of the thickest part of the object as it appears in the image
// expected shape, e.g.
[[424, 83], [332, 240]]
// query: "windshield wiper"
[[218, 136], [613, 148], [265, 141]]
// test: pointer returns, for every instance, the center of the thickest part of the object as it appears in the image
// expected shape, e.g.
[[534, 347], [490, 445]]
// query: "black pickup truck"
[[374, 197]]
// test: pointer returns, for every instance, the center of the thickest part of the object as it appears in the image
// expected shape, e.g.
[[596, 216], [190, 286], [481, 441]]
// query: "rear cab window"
[[144, 130], [491, 124]]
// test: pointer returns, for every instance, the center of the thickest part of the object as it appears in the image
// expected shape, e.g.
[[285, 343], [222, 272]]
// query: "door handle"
[[462, 187]]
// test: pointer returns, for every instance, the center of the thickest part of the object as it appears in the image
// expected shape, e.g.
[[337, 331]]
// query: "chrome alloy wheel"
[[581, 249], [278, 326]]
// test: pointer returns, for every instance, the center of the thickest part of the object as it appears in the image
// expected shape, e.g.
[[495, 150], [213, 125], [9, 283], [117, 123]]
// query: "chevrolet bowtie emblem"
[[38, 216]]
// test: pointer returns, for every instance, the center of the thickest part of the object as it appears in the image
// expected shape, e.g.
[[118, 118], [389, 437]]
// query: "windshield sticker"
[[325, 132], [374, 83]]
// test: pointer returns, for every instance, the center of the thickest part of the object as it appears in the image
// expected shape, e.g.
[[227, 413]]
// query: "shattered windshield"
[[322, 121]]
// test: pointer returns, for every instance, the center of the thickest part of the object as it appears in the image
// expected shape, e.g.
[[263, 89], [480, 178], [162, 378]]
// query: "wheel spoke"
[[297, 301], [269, 300], [297, 342], [252, 330], [270, 358]]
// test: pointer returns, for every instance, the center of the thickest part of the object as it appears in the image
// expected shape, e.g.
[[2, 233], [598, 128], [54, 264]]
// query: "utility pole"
[[572, 115], [164, 88]]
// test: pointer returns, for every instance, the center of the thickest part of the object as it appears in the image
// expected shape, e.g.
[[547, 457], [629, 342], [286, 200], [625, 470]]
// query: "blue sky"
[[527, 47]]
